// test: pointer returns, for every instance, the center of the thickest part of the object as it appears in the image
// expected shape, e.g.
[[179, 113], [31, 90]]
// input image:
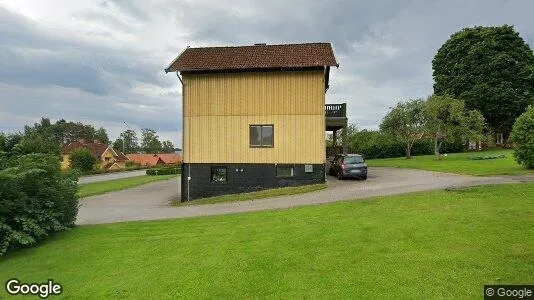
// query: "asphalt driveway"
[[151, 201]]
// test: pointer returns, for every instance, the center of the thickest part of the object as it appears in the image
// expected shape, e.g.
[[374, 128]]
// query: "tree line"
[[48, 137], [483, 82]]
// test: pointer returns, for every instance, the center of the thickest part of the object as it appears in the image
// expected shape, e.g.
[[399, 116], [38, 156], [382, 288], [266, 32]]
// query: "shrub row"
[[36, 199], [486, 157], [164, 171], [374, 144]]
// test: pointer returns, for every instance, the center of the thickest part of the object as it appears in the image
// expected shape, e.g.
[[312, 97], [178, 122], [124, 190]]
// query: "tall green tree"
[[82, 159], [447, 119], [523, 138], [127, 142], [150, 141], [491, 69], [3, 142], [102, 135], [406, 123], [38, 138], [167, 147]]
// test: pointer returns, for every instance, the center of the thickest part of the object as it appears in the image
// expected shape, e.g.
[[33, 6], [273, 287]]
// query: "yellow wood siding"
[[102, 160], [219, 108], [65, 161]]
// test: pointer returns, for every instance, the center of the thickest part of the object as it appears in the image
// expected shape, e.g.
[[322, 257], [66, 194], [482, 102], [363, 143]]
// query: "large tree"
[[150, 141], [491, 69], [167, 147], [446, 118], [102, 136], [406, 123], [127, 142], [3, 142]]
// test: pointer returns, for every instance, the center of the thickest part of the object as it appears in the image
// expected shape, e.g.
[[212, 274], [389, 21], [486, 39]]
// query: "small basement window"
[[262, 136], [285, 171], [219, 174]]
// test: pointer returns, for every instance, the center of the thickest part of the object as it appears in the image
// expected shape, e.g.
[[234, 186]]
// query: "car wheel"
[[330, 172], [340, 175], [364, 177]]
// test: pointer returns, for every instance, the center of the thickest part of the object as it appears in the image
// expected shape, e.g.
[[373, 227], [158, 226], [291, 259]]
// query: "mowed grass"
[[459, 163], [256, 195], [96, 188], [441, 244]]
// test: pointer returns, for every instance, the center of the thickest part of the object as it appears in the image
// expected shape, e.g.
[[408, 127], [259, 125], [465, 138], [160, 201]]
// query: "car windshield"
[[353, 160]]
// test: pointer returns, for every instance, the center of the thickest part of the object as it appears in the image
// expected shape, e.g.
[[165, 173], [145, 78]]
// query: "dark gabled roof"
[[259, 56]]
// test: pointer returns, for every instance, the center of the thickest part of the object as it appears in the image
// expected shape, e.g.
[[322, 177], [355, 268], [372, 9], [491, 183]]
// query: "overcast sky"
[[101, 62]]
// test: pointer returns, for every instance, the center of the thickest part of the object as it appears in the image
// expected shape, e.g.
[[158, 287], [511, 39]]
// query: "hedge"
[[36, 199], [164, 171], [374, 144]]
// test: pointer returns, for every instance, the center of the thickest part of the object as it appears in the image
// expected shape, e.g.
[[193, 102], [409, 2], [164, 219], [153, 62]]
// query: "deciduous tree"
[[167, 147], [523, 138], [82, 159], [447, 119], [150, 141], [127, 142], [406, 123], [491, 69]]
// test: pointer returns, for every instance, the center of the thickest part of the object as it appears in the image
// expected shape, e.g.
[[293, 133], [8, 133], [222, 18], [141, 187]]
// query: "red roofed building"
[[254, 117], [106, 156], [170, 158], [146, 160], [152, 160]]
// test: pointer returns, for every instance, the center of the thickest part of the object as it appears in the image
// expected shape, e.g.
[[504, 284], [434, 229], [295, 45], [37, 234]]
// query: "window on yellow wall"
[[262, 136]]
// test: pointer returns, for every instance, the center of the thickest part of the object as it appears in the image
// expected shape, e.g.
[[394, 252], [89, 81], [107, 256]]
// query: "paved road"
[[110, 176], [151, 201]]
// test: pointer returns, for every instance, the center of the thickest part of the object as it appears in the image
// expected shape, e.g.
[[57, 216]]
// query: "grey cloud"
[[384, 48]]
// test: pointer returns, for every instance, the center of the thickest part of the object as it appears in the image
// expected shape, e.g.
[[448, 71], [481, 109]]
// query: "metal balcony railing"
[[336, 110]]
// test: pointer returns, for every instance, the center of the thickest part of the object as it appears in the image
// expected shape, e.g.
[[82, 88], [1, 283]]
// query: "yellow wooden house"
[[107, 158], [253, 116]]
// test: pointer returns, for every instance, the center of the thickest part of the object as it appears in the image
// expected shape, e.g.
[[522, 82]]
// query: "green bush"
[[36, 199], [522, 136], [486, 157], [82, 159], [375, 144], [164, 171]]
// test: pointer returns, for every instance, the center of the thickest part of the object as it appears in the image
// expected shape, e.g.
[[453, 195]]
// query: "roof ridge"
[[260, 45]]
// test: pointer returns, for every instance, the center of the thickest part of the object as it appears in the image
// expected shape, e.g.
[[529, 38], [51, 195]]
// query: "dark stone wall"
[[243, 178]]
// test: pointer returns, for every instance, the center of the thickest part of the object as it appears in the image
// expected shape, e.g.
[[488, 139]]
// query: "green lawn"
[[96, 188], [256, 195], [441, 244], [458, 163]]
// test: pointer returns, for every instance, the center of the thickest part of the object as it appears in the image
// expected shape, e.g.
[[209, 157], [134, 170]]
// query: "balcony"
[[336, 119], [336, 116]]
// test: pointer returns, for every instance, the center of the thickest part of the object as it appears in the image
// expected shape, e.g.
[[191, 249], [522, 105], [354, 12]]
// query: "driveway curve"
[[152, 201]]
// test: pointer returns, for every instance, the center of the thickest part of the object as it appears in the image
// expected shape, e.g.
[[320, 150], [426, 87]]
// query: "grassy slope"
[[96, 188], [424, 245], [257, 195], [458, 163]]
